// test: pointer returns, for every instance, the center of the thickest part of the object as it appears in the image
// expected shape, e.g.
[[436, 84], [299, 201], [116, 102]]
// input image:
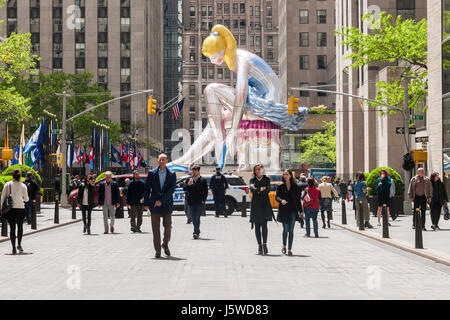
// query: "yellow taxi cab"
[[272, 194]]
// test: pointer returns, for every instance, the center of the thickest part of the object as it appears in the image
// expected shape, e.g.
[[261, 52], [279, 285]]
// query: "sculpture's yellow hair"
[[225, 40]]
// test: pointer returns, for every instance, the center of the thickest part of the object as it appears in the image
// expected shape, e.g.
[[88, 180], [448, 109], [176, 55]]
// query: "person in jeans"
[[135, 201], [439, 200], [383, 190], [159, 188], [85, 200], [109, 198], [33, 190], [260, 208], [196, 190], [420, 191], [219, 186], [16, 215], [326, 202], [361, 199], [288, 196], [312, 209]]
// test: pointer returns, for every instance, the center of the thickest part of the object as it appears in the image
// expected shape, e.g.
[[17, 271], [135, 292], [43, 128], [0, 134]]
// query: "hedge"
[[374, 175], [24, 169], [5, 179]]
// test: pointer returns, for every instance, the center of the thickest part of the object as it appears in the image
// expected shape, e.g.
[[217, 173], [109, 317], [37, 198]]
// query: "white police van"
[[233, 197]]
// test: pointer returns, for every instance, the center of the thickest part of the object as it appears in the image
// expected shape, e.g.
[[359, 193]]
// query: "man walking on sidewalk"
[[33, 190], [219, 186], [196, 190], [109, 198], [135, 201], [420, 191], [158, 197]]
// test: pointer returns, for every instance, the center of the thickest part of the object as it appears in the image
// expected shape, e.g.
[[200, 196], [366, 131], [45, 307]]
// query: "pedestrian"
[[19, 194], [288, 196], [420, 191], [219, 186], [326, 200], [392, 198], [260, 208], [439, 200], [311, 207], [302, 186], [109, 198], [343, 189], [85, 201], [196, 190], [158, 197], [57, 186], [383, 189], [350, 190], [33, 190], [361, 200], [135, 202], [124, 192]]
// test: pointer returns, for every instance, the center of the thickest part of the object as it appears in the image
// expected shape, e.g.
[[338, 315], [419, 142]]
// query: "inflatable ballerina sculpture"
[[253, 112]]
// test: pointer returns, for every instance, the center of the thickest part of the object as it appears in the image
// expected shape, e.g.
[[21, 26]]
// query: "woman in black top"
[[260, 208], [86, 188], [439, 200], [288, 195]]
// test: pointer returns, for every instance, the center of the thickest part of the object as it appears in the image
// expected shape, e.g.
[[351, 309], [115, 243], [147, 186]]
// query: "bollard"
[[385, 222], [244, 206], [361, 216], [56, 219], [74, 210], [33, 215], [4, 227], [418, 224], [204, 210], [38, 206], [344, 212]]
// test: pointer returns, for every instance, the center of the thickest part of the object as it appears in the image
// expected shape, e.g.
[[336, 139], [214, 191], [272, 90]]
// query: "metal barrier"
[[385, 222], [361, 215], [344, 212], [244, 206], [418, 227], [33, 215]]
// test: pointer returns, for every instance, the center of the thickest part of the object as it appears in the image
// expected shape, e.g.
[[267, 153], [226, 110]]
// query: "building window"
[[226, 8], [242, 8], [235, 8], [304, 62], [227, 73], [321, 39], [219, 8], [406, 8], [235, 24], [270, 41], [321, 62], [242, 24], [304, 39], [210, 11], [269, 11], [257, 11], [192, 56], [243, 40], [269, 56], [321, 85], [304, 93], [321, 16], [220, 73], [192, 41], [211, 72], [252, 41], [192, 90], [258, 41], [304, 16], [192, 11]]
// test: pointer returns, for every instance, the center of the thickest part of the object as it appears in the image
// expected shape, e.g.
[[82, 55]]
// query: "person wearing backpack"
[[311, 197], [17, 192], [32, 189]]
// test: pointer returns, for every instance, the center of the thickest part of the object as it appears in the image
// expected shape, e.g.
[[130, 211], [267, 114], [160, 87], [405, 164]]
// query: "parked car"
[[233, 197]]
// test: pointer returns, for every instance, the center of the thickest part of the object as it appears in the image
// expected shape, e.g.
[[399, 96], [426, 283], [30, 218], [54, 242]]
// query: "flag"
[[80, 155], [22, 144], [16, 155], [113, 157], [123, 153], [34, 141], [72, 156], [131, 158], [91, 151], [176, 109], [127, 164]]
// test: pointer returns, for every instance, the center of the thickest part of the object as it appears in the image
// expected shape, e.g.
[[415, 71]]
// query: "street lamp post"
[[63, 134]]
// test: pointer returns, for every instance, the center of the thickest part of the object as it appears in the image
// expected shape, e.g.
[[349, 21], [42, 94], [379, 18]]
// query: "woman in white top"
[[19, 194]]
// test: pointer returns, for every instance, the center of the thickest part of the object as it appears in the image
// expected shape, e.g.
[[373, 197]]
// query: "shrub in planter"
[[5, 179], [24, 169], [374, 174]]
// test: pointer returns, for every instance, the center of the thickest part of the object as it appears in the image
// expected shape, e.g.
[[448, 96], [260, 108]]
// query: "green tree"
[[406, 42], [320, 148], [16, 59], [42, 91]]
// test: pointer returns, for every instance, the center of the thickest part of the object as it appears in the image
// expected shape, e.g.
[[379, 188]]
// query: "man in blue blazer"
[[158, 197]]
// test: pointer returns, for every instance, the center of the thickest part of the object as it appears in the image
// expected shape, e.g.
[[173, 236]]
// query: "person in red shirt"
[[312, 209]]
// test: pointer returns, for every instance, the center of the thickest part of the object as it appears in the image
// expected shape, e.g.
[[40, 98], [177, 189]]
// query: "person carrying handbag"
[[17, 192]]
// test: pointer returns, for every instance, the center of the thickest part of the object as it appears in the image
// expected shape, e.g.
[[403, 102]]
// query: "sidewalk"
[[45, 220], [401, 234]]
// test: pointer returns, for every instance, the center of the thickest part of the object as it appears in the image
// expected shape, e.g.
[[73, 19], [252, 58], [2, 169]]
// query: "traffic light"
[[151, 106], [293, 105], [420, 156], [6, 154]]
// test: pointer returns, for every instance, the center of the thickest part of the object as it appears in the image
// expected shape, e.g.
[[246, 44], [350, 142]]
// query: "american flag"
[[176, 110]]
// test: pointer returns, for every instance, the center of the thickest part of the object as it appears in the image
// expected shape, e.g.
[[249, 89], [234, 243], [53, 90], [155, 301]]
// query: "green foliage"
[[406, 42], [320, 148], [24, 169], [322, 112], [4, 180], [42, 94], [374, 174]]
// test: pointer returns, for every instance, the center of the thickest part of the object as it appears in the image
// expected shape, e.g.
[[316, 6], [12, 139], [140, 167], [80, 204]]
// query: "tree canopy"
[[320, 148], [404, 42]]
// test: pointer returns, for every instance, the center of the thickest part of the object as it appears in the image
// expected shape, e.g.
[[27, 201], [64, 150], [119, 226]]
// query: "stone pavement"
[[64, 264], [435, 242]]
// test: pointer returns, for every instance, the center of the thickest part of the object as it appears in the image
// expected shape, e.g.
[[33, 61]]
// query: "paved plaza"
[[65, 264]]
